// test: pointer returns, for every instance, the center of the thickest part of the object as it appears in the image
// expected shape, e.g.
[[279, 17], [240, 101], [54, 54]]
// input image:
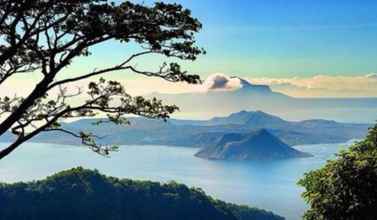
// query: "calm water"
[[267, 185]]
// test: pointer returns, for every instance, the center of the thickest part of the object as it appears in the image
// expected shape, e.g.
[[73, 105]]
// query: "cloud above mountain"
[[221, 82], [324, 85], [315, 86], [372, 76]]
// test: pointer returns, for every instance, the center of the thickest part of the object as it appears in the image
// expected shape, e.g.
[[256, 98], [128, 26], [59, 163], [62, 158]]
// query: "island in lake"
[[257, 145]]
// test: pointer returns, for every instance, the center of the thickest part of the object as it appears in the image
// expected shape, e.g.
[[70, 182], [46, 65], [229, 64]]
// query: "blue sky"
[[282, 38], [303, 48], [299, 47]]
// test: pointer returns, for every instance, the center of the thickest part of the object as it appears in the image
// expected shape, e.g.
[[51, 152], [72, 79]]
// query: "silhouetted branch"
[[45, 37]]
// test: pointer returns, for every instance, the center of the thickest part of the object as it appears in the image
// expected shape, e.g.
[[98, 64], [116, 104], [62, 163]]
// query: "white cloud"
[[221, 82], [315, 86], [372, 75], [324, 85]]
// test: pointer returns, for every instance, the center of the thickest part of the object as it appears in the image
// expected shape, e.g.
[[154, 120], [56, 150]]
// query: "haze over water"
[[267, 185]]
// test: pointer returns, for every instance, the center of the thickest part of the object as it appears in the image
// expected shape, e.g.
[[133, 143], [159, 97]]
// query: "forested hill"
[[85, 194]]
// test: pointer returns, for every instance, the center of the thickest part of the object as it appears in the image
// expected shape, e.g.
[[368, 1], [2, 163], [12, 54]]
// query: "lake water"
[[267, 185]]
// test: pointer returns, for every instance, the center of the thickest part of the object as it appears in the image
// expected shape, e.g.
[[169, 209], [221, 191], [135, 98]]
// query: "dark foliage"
[[44, 37], [345, 188], [84, 194]]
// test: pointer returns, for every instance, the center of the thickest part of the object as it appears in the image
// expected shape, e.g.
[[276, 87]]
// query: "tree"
[[86, 194], [345, 188], [45, 36]]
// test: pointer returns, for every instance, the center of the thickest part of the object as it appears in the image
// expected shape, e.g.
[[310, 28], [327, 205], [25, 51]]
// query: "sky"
[[282, 38], [285, 38], [299, 47]]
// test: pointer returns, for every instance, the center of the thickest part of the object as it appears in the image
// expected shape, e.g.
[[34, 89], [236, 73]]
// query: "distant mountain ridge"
[[247, 118], [196, 133], [247, 87], [258, 145], [261, 97]]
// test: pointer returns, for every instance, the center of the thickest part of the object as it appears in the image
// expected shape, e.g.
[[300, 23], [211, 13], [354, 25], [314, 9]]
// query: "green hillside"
[[85, 194]]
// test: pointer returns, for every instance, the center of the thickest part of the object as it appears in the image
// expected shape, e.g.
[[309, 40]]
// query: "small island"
[[257, 145]]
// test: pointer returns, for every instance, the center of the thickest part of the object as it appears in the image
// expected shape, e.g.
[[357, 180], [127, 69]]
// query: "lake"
[[267, 185]]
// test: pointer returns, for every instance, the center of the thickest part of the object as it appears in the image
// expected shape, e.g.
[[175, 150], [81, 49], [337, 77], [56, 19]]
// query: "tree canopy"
[[45, 37], [87, 195], [345, 188]]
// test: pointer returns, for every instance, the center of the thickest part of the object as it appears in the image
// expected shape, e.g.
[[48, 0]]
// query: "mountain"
[[238, 118], [314, 131], [249, 88], [203, 133], [255, 118], [251, 97], [258, 145], [87, 195]]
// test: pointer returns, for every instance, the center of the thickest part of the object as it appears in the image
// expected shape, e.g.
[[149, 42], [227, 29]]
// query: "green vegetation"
[[85, 194], [345, 188]]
